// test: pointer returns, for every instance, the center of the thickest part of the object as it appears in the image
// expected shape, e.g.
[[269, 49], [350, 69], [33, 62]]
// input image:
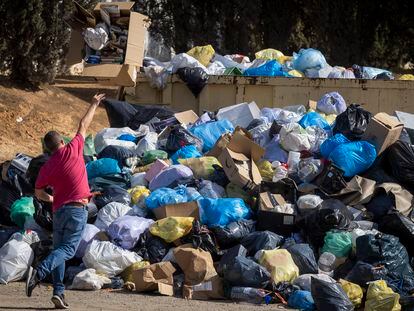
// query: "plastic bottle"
[[293, 161], [248, 294], [326, 263]]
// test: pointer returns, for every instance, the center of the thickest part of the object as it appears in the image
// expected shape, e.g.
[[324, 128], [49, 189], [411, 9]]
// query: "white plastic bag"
[[308, 202], [158, 76], [15, 258], [294, 138], [109, 213], [309, 169], [280, 171], [138, 179], [88, 235], [126, 230], [184, 60], [107, 258], [89, 280], [216, 68], [304, 280], [148, 143], [108, 136], [96, 38]]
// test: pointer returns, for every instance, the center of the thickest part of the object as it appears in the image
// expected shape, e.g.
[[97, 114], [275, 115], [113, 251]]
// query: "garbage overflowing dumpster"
[[308, 206]]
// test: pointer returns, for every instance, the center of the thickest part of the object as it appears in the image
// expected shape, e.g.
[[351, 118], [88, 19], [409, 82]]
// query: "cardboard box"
[[382, 131], [188, 209], [210, 290], [118, 74], [155, 169], [155, 277], [184, 117], [238, 161]]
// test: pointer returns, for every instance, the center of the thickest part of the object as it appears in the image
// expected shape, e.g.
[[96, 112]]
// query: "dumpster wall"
[[221, 91]]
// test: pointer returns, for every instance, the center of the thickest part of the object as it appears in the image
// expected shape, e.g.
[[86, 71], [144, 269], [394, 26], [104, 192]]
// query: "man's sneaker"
[[31, 281], [59, 302]]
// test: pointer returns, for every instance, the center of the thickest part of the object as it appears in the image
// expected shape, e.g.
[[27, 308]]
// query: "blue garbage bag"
[[270, 69], [354, 157], [102, 167], [308, 59], [210, 132], [221, 212], [363, 72], [164, 196], [274, 151], [314, 119], [301, 300], [331, 143], [331, 103], [186, 152], [127, 137]]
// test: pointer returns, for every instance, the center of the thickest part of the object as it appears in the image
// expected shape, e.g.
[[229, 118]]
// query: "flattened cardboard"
[[155, 277], [224, 140], [188, 209], [186, 117], [210, 290], [382, 131], [112, 74], [268, 201]]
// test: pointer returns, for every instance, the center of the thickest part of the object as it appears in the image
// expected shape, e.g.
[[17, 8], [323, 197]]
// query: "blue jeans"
[[68, 224]]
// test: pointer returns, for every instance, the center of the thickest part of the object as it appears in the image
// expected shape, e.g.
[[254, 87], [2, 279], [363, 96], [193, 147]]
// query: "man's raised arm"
[[87, 118]]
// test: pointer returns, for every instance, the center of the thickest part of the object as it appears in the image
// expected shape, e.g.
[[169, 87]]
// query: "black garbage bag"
[[353, 122], [400, 163], [304, 258], [363, 272], [116, 283], [119, 112], [92, 210], [286, 187], [254, 123], [380, 204], [195, 78], [180, 137], [229, 255], [100, 183], [201, 237], [219, 176], [384, 76], [6, 233], [242, 271], [43, 215], [285, 289], [333, 214], [41, 250], [112, 194], [400, 226], [34, 168], [329, 296], [146, 113], [233, 233], [259, 240], [8, 194], [151, 248], [119, 153], [331, 180]]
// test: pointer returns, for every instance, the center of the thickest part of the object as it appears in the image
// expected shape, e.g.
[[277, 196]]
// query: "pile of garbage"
[[306, 206], [197, 64]]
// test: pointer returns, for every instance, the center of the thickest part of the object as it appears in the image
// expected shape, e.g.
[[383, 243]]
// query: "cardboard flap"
[[124, 7], [186, 117], [136, 39], [387, 120], [242, 144], [237, 156]]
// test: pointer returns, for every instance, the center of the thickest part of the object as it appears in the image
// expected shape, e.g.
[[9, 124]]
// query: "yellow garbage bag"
[[353, 291], [381, 298], [172, 228], [407, 76], [202, 53], [269, 54], [138, 193], [201, 167], [280, 264], [266, 170], [295, 73], [126, 275]]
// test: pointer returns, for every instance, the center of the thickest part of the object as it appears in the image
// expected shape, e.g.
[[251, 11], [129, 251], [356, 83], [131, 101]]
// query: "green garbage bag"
[[88, 149], [338, 243], [21, 209], [152, 155]]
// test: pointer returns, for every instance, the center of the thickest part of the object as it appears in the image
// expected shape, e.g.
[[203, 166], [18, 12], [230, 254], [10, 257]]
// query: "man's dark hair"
[[52, 140]]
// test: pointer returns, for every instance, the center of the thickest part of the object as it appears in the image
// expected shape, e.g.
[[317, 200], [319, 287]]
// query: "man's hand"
[[97, 99]]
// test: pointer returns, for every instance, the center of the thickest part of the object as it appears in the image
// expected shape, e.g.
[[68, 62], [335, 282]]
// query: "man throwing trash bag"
[[65, 174]]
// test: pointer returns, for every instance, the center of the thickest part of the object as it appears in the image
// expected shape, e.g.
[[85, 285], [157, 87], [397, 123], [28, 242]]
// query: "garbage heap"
[[197, 64], [306, 206]]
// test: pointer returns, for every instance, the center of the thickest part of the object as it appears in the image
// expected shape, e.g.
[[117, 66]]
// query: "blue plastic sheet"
[[330, 144], [186, 152], [301, 300], [102, 167], [331, 103], [308, 59], [314, 119], [354, 158], [127, 137], [221, 212], [269, 69], [210, 132], [164, 196]]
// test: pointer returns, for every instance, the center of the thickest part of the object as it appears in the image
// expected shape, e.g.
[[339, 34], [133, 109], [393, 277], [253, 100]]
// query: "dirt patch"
[[27, 115]]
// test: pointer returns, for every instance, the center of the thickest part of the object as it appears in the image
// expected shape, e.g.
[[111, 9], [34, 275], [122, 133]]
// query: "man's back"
[[65, 172]]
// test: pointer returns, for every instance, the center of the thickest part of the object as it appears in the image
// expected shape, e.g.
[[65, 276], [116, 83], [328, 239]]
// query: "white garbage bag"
[[148, 143], [105, 257], [109, 213], [108, 136], [138, 179], [96, 38], [308, 202], [89, 280], [15, 258], [183, 60], [294, 138], [126, 230], [88, 235]]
